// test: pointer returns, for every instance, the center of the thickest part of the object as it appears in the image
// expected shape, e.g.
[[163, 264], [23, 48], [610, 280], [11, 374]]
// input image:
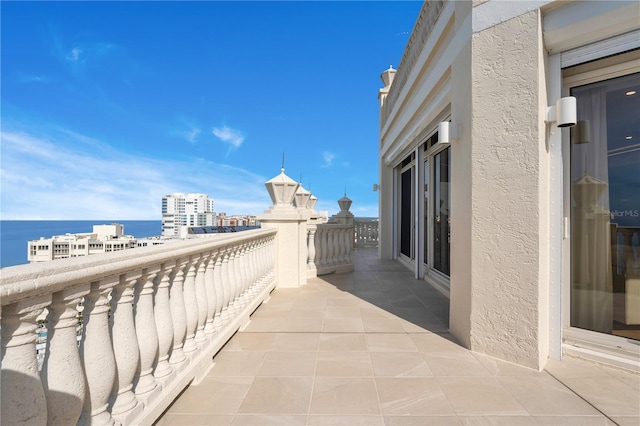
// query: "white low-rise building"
[[103, 239]]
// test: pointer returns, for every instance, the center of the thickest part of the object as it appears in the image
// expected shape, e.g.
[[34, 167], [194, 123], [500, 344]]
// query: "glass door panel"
[[441, 213]]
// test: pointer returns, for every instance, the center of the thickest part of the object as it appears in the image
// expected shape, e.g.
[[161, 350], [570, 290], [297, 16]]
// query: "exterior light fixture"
[[563, 113], [630, 93], [448, 132]]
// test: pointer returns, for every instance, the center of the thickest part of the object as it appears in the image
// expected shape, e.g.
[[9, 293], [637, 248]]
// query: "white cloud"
[[74, 55], [328, 158], [69, 176], [229, 136]]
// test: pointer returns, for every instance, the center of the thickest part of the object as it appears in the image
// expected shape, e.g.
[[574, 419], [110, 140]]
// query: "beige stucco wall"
[[507, 183]]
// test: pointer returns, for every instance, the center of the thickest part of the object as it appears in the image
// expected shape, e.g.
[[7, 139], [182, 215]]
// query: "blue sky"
[[108, 106]]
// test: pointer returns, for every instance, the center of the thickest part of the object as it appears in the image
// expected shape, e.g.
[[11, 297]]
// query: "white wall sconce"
[[448, 132], [563, 113]]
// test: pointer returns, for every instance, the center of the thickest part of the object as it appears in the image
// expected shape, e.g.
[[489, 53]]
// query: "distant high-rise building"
[[184, 210]]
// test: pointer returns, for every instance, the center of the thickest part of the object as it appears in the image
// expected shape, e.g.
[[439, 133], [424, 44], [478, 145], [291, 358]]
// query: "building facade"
[[184, 210], [526, 218], [103, 239]]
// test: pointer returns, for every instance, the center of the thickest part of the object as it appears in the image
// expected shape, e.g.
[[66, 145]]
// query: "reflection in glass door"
[[406, 207], [605, 207], [441, 212], [426, 228]]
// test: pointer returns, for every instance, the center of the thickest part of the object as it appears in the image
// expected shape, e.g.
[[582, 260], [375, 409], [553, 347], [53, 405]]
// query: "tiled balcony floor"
[[371, 348]]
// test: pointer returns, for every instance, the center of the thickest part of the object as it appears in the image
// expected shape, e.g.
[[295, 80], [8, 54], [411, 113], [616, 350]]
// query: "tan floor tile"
[[399, 364], [284, 364], [342, 325], [344, 396], [194, 420], [250, 342], [610, 395], [344, 364], [271, 312], [262, 325], [480, 396], [332, 312], [306, 313], [455, 364], [569, 367], [304, 342], [421, 420], [625, 421], [383, 325], [318, 420], [342, 342], [237, 364], [311, 303], [437, 344], [375, 312], [598, 420], [343, 302], [265, 420], [390, 342], [500, 368], [545, 396], [500, 420], [412, 396], [219, 395], [306, 325], [278, 395]]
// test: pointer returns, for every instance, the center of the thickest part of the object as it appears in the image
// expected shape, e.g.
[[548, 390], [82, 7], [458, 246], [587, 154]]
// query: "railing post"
[[62, 375], [212, 297], [97, 354], [23, 397], [191, 306], [164, 322], [202, 301], [178, 314], [147, 334], [125, 348]]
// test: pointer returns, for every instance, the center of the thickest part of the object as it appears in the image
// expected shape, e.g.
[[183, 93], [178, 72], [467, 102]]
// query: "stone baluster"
[[330, 250], [218, 284], [125, 347], [324, 250], [178, 314], [191, 306], [23, 397], [202, 301], [146, 332], [96, 352], [262, 262], [245, 273], [212, 298], [163, 319], [344, 235], [62, 374], [233, 282], [240, 274], [311, 244], [226, 287]]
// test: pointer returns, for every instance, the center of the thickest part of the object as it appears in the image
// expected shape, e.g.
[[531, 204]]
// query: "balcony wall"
[[148, 323]]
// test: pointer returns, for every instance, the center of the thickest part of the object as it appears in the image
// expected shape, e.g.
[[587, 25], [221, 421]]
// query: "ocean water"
[[14, 234]]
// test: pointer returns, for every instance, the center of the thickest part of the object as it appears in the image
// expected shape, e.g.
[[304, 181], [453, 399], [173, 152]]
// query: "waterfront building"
[[103, 239], [184, 210], [509, 174]]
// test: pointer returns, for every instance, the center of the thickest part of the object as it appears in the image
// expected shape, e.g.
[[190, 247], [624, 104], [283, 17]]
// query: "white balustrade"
[[138, 314], [329, 248]]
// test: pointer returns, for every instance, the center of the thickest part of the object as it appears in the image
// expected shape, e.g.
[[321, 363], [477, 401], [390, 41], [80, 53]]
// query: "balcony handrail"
[[148, 322], [22, 281]]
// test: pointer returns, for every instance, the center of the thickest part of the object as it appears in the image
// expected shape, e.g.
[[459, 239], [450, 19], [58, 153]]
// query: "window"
[[605, 207]]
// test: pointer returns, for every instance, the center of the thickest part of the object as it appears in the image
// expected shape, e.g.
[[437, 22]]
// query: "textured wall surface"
[[507, 189]]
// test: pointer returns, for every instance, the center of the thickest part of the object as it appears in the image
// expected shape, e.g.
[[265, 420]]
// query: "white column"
[[191, 306], [164, 322], [62, 374], [178, 314], [201, 301], [146, 332], [125, 346], [97, 355], [209, 283], [23, 398]]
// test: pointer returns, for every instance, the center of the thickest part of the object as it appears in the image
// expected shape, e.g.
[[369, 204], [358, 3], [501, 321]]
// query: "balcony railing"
[[329, 248], [148, 324]]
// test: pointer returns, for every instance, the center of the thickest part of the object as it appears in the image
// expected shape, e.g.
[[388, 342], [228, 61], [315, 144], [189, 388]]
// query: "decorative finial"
[[300, 178], [345, 191], [282, 169]]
